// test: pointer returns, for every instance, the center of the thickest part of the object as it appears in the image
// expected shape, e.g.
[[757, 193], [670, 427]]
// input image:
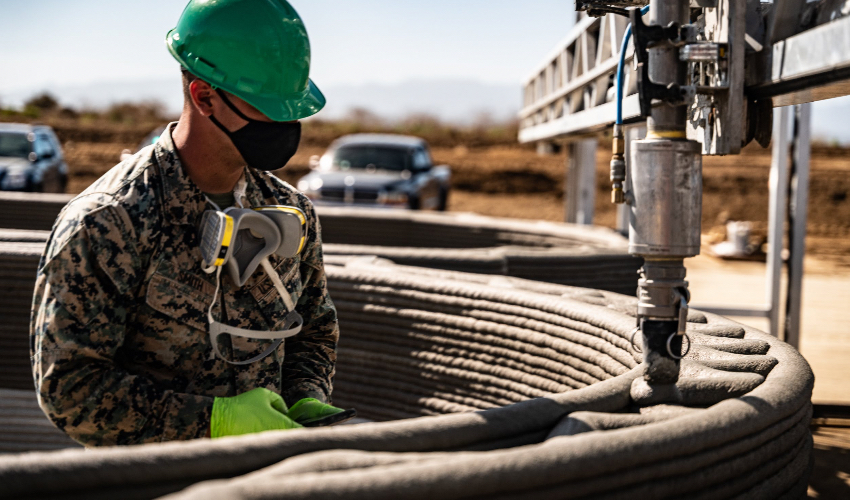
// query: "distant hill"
[[450, 101], [456, 101], [100, 95]]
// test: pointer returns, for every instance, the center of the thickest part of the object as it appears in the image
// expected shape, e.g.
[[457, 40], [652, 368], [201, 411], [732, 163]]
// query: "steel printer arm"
[[666, 205]]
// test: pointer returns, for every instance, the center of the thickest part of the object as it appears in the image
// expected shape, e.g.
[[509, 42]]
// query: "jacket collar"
[[183, 200]]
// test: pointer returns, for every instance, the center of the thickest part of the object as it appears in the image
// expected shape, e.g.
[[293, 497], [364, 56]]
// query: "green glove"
[[311, 412], [257, 410]]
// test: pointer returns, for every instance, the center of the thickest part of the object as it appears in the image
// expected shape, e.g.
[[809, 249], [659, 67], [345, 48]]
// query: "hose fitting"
[[618, 166]]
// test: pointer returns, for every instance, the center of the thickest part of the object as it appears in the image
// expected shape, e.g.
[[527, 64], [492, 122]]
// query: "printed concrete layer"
[[31, 210], [544, 251], [529, 389], [566, 254], [23, 426], [18, 265]]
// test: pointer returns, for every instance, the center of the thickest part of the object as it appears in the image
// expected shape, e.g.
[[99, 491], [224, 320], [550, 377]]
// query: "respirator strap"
[[281, 290], [292, 323]]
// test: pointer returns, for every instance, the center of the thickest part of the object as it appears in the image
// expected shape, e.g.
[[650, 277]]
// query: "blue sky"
[[99, 51], [49, 43]]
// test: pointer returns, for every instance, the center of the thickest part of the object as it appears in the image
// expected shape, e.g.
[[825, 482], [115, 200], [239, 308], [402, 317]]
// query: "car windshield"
[[365, 157], [15, 144]]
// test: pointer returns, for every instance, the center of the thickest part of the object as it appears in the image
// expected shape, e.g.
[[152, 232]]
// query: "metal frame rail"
[[791, 130], [572, 93], [571, 97]]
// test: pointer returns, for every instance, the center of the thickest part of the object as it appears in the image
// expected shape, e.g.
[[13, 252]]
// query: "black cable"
[[600, 10]]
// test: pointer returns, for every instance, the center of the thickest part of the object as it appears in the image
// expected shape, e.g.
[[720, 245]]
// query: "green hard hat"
[[257, 50]]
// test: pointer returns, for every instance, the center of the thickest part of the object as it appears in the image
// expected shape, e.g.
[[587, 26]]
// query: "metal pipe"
[[798, 213], [664, 67], [581, 181], [776, 213], [666, 207]]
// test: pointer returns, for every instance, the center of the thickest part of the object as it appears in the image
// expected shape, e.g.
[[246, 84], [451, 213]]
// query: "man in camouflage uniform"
[[120, 346]]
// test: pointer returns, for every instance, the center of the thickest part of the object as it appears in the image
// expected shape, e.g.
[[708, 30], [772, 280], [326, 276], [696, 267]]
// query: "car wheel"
[[413, 202], [443, 202], [35, 187]]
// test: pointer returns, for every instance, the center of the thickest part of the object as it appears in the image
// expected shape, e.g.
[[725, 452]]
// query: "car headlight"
[[392, 198], [15, 179], [310, 187]]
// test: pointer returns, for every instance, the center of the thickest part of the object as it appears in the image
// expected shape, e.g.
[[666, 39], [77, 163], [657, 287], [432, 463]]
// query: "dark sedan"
[[31, 159], [378, 170]]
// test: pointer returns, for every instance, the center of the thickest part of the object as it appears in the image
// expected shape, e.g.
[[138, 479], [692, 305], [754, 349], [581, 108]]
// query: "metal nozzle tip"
[[617, 196]]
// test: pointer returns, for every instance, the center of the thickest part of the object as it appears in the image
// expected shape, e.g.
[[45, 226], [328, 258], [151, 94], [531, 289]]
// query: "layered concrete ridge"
[[23, 426], [31, 210], [566, 254], [20, 252], [529, 390], [560, 253]]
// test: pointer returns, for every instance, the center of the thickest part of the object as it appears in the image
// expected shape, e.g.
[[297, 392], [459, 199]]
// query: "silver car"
[[380, 170], [31, 159]]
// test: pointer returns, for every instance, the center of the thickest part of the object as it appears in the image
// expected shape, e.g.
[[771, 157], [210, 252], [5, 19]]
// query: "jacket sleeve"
[[84, 289], [310, 357]]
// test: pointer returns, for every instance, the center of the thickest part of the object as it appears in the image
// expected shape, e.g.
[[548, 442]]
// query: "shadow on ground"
[[830, 478]]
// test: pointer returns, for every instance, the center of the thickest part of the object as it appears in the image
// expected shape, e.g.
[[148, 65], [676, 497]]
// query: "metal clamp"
[[684, 295], [646, 36], [632, 340], [670, 350]]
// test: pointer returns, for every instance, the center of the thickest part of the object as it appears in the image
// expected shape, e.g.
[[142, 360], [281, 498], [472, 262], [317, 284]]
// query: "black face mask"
[[263, 145]]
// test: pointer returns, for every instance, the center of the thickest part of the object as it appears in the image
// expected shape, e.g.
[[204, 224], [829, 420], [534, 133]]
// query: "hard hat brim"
[[278, 107], [289, 107]]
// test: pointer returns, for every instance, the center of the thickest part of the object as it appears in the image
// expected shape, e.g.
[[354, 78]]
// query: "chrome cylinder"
[[665, 67], [666, 204]]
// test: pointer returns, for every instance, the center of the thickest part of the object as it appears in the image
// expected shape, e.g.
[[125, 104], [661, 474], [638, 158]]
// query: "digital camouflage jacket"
[[119, 336]]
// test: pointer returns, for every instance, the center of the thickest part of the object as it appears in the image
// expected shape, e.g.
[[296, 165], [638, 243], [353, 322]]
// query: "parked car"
[[378, 170], [31, 159]]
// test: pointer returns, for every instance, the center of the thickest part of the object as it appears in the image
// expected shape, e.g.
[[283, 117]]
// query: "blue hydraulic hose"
[[626, 37]]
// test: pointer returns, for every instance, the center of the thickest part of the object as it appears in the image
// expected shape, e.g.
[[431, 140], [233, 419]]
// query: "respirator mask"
[[263, 145], [240, 240]]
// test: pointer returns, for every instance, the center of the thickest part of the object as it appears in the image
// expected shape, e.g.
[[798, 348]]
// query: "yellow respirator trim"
[[226, 240], [291, 210]]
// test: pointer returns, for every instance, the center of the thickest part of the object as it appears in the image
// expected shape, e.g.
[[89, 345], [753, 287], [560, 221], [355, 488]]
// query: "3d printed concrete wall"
[[566, 254], [552, 375]]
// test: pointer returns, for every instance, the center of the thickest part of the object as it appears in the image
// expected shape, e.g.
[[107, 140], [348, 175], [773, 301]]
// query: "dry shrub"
[[132, 113]]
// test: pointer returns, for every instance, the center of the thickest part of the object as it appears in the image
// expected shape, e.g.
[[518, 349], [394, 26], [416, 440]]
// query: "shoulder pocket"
[[85, 249], [113, 244]]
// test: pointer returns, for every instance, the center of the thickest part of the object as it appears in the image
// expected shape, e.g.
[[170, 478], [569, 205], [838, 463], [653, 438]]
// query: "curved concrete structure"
[[20, 252], [566, 254], [31, 210], [527, 390]]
